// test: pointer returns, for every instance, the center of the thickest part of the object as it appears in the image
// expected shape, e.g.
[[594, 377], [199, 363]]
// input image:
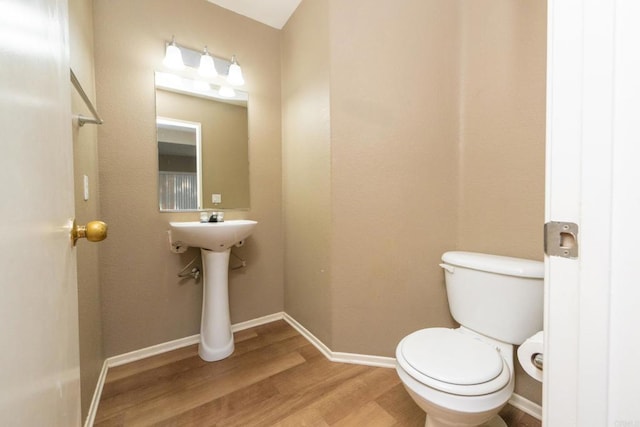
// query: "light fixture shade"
[[173, 57], [235, 73], [227, 92], [207, 67]]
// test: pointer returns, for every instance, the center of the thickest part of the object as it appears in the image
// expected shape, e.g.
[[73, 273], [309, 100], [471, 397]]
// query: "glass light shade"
[[227, 92], [207, 67], [173, 57], [235, 73]]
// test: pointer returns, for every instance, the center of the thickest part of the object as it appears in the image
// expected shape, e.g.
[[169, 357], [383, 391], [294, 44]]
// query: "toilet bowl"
[[457, 372], [464, 376]]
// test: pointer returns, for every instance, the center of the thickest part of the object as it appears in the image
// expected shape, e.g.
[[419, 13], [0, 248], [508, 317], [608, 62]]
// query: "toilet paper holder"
[[537, 360]]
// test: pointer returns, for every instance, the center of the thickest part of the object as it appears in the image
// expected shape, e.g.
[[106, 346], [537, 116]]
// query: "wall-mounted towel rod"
[[96, 120]]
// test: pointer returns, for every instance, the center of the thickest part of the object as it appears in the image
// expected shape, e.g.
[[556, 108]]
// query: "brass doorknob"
[[94, 231]]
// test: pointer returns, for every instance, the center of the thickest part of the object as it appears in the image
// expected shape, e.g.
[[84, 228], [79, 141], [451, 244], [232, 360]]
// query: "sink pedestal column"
[[216, 338]]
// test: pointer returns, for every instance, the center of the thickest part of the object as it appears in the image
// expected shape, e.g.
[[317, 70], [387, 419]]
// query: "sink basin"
[[214, 236]]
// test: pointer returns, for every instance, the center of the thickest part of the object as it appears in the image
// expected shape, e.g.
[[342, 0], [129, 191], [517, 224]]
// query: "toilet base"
[[439, 416], [496, 421]]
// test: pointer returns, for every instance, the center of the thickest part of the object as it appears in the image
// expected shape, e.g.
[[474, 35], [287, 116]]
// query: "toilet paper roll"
[[532, 346]]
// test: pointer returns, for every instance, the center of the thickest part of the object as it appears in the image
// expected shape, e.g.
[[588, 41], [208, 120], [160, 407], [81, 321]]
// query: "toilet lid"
[[452, 357]]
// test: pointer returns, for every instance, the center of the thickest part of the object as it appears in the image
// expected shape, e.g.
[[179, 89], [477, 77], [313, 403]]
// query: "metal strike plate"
[[561, 239]]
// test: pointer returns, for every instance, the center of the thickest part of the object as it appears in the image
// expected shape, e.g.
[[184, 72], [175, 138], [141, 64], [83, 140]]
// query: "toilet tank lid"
[[495, 264]]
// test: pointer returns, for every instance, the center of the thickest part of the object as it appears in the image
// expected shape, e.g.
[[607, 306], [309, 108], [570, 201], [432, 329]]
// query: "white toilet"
[[464, 376]]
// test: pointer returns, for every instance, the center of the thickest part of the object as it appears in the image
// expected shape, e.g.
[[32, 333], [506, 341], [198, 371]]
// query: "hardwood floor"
[[275, 377]]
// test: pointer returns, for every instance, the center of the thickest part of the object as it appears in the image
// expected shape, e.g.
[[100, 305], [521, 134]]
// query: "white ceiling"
[[274, 13]]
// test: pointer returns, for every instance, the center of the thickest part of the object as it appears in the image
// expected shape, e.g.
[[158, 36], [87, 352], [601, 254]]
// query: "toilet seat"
[[453, 362]]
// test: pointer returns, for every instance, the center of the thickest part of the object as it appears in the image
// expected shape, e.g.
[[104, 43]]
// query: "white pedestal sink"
[[215, 240]]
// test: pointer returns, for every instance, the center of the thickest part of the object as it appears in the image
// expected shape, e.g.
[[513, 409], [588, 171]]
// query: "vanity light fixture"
[[213, 68], [207, 67], [235, 73], [226, 92], [173, 56], [201, 86]]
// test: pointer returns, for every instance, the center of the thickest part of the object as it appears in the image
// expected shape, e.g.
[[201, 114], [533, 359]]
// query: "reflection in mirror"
[[179, 174], [221, 164]]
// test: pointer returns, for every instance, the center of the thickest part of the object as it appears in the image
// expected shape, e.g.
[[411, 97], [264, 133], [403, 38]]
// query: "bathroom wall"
[[144, 302], [503, 127], [369, 138], [394, 129], [306, 147], [85, 148], [502, 155], [436, 142]]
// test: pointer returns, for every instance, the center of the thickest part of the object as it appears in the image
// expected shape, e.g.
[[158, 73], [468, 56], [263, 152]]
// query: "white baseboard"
[[143, 353], [183, 342], [357, 359], [516, 400], [364, 359], [526, 406], [308, 335], [257, 322], [93, 409]]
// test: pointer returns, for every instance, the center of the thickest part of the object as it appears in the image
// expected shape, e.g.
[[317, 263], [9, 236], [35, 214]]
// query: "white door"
[[592, 343], [39, 367]]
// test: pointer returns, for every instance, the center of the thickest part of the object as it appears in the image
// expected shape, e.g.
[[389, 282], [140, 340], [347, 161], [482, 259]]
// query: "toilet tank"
[[500, 297]]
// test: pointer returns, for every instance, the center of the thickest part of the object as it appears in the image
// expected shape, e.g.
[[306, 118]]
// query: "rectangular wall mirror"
[[203, 145]]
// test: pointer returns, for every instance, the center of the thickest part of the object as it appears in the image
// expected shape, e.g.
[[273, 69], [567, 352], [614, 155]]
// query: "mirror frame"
[[198, 130]]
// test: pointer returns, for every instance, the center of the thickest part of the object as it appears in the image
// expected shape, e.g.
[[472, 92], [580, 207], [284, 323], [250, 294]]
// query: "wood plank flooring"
[[275, 377]]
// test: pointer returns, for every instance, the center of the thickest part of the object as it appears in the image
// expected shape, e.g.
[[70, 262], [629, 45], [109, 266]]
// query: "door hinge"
[[561, 239]]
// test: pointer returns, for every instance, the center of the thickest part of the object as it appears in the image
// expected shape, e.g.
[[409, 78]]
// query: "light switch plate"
[[216, 198], [85, 181]]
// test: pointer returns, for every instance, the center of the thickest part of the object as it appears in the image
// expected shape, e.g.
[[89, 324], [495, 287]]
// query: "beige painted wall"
[[307, 167], [225, 169], [503, 127], [369, 175], [85, 149], [502, 156], [144, 302], [435, 133], [394, 126]]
